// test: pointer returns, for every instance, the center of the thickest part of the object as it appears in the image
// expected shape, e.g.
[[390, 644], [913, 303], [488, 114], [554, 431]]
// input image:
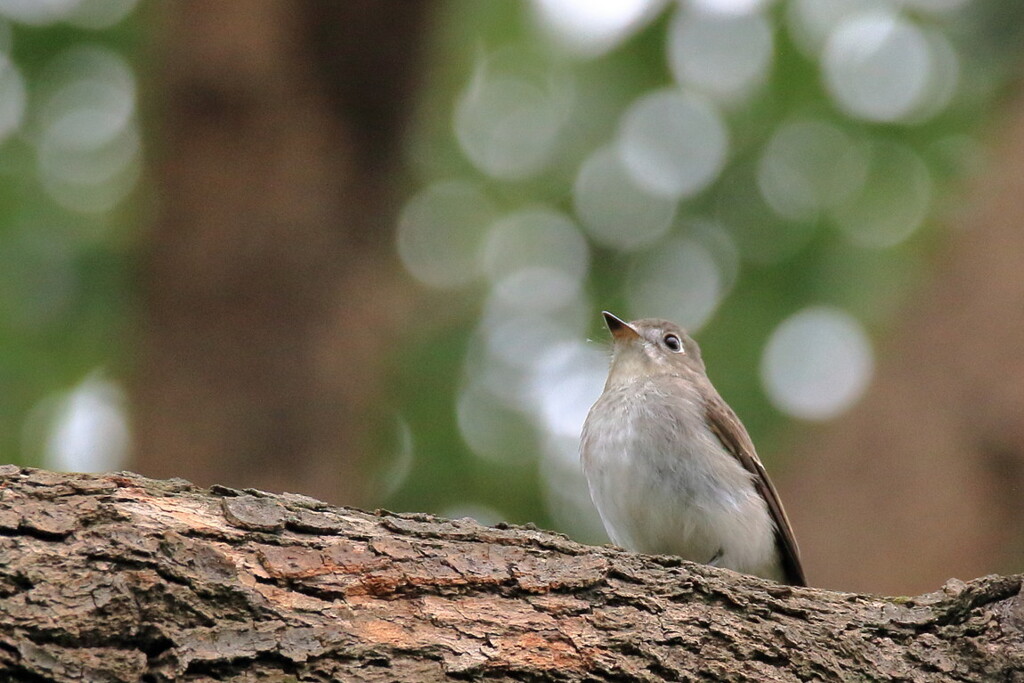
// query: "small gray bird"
[[671, 468]]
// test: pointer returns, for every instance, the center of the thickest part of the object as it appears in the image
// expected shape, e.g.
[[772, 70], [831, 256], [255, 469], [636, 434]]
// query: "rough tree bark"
[[270, 273], [121, 578]]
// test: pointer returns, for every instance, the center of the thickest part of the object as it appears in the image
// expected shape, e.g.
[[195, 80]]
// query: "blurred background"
[[359, 249]]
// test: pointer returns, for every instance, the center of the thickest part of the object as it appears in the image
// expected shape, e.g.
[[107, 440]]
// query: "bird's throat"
[[629, 364]]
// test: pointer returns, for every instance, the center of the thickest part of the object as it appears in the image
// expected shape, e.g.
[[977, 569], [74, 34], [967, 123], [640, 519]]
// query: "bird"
[[670, 467]]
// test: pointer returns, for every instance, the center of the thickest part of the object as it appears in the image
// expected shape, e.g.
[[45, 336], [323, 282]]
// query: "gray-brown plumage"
[[671, 468]]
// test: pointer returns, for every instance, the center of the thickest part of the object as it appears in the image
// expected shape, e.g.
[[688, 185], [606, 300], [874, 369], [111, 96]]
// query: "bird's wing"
[[730, 431]]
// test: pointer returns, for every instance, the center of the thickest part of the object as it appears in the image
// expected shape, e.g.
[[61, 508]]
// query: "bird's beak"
[[620, 329]]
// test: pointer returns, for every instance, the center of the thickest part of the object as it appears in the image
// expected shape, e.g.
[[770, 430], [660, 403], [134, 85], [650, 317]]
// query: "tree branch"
[[122, 578]]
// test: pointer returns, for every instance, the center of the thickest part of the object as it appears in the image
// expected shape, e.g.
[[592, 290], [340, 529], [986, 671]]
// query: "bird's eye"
[[672, 343]]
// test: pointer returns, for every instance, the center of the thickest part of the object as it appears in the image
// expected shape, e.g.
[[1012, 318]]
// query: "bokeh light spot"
[[567, 380], [37, 12], [673, 144], [724, 55], [943, 77], [509, 341], [89, 150], [89, 431], [100, 14], [508, 119], [613, 209], [393, 474], [808, 166], [811, 22], [894, 201], [519, 337], [936, 6], [817, 363], [12, 97], [591, 28], [441, 231], [881, 67], [679, 280], [728, 7], [536, 259]]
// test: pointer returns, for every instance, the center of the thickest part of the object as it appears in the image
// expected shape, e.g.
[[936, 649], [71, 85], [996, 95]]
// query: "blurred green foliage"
[[822, 266], [65, 275]]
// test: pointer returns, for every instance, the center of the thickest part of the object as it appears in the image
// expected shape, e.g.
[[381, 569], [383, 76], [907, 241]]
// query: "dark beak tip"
[[619, 328], [613, 321]]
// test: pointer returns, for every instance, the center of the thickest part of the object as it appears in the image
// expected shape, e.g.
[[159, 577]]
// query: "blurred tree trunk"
[[924, 479], [270, 278]]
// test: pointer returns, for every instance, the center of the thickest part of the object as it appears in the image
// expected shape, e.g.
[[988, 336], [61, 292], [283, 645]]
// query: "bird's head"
[[649, 347]]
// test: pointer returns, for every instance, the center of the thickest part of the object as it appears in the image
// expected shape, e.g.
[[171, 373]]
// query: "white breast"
[[664, 484]]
